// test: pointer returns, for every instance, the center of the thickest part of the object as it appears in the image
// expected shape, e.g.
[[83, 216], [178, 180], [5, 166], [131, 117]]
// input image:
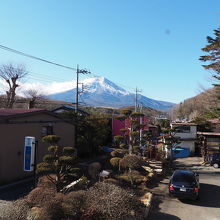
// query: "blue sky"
[[153, 45]]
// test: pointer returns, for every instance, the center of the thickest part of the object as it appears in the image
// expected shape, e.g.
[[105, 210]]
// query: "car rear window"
[[183, 177]]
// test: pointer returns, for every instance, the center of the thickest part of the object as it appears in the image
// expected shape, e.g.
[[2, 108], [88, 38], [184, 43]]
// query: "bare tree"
[[34, 95], [11, 74]]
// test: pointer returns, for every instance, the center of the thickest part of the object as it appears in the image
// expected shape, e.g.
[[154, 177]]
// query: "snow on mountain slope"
[[101, 92]]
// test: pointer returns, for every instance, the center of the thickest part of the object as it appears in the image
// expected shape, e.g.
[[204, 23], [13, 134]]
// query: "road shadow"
[[155, 213], [209, 196], [162, 216], [16, 191]]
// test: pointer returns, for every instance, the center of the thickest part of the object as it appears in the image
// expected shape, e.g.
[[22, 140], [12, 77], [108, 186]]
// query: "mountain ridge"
[[101, 92]]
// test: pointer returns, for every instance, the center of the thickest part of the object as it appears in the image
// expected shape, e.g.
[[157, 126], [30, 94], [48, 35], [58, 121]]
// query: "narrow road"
[[208, 208], [16, 190]]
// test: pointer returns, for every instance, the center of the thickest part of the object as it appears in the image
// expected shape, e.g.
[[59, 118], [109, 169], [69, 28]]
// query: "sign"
[[29, 151]]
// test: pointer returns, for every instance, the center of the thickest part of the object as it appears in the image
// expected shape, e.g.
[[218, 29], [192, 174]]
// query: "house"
[[15, 125], [118, 124], [69, 108], [188, 134], [211, 139]]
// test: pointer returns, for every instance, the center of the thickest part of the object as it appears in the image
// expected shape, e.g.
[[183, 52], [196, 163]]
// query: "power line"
[[34, 57]]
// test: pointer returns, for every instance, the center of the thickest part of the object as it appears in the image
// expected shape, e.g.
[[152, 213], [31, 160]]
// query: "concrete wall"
[[188, 144], [12, 142], [191, 135]]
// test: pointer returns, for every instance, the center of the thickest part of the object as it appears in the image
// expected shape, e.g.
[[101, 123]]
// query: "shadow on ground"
[[209, 196], [155, 213]]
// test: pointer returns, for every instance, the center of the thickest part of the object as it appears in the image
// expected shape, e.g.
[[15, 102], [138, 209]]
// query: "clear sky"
[[150, 44]]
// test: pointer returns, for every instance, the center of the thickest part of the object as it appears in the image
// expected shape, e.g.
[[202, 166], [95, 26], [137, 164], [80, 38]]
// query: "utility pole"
[[78, 71], [136, 96]]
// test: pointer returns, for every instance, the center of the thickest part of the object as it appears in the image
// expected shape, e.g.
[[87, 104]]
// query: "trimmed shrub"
[[94, 169], [136, 149], [115, 153], [51, 139], [69, 150], [131, 162], [112, 181], [40, 195], [113, 203], [73, 204], [17, 210], [82, 184], [52, 210], [115, 162], [45, 183]]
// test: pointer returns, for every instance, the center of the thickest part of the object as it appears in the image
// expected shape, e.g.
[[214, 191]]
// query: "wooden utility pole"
[[78, 71]]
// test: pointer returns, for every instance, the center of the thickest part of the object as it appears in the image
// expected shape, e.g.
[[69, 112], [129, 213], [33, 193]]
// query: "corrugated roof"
[[17, 111]]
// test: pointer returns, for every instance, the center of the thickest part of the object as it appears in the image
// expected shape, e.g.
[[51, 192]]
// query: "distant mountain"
[[101, 92]]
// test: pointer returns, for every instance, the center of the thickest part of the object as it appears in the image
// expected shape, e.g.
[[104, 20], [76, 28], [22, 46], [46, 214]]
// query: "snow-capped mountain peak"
[[99, 91]]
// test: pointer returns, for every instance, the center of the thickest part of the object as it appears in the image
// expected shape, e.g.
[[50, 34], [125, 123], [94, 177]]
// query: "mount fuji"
[[101, 92]]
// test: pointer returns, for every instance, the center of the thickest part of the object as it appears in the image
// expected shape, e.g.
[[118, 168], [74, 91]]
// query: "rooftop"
[[183, 123], [17, 111]]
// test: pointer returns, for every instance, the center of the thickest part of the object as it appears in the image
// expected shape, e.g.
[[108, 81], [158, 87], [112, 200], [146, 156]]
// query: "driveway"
[[208, 208]]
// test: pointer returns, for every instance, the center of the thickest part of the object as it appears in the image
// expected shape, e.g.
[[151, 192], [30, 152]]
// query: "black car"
[[215, 160], [184, 184]]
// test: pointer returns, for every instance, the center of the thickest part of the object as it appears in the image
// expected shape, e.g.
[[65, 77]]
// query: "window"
[[47, 130], [183, 129]]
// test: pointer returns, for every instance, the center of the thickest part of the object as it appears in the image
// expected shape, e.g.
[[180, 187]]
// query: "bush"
[[69, 150], [73, 204], [52, 210], [132, 162], [45, 183], [116, 154], [51, 139], [115, 162], [136, 149], [82, 184], [132, 178], [113, 203], [17, 210], [40, 195], [94, 169], [112, 181]]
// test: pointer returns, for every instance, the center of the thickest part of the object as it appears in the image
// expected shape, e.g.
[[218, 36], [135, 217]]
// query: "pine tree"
[[213, 50], [213, 57], [58, 164]]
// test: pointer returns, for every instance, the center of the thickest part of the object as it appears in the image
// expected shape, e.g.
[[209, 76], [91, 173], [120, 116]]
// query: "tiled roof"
[[10, 112]]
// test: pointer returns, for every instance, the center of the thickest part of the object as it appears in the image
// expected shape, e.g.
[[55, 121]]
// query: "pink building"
[[125, 124]]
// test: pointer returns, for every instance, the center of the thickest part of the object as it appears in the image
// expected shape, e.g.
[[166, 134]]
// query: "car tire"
[[216, 165]]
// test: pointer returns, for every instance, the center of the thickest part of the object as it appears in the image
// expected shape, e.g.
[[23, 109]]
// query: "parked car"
[[214, 160], [184, 184]]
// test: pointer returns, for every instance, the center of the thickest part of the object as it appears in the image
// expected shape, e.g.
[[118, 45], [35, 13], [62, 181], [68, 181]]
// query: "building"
[[187, 133], [117, 125], [15, 125], [69, 108]]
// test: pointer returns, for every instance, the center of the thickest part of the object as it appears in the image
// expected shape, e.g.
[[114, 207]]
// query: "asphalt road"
[[208, 208], [16, 190]]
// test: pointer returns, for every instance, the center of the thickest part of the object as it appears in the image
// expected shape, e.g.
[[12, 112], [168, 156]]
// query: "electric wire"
[[34, 57]]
